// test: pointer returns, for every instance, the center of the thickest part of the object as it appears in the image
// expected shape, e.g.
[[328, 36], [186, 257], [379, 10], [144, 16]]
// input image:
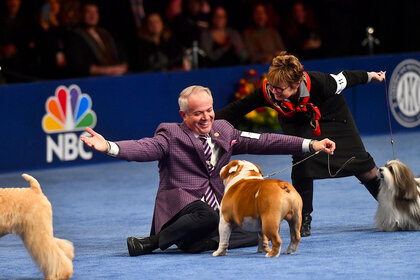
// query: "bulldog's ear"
[[233, 169], [228, 169], [258, 169]]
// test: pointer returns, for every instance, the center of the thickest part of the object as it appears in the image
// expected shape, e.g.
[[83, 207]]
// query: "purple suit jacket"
[[183, 172]]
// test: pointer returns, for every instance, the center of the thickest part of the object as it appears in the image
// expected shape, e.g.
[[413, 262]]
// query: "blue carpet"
[[98, 206]]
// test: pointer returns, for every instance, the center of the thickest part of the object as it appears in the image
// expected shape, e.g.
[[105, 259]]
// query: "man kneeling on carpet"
[[191, 155]]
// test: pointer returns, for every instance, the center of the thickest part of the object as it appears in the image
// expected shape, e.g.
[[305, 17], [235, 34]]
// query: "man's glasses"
[[275, 89]]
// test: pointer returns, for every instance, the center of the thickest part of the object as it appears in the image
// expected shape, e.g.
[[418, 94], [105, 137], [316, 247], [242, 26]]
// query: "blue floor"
[[98, 206]]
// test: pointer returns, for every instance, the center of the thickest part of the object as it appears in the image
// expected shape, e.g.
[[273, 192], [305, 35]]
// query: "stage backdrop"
[[41, 122]]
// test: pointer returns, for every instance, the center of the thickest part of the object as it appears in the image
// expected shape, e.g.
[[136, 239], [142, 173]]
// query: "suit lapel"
[[196, 143], [219, 138], [221, 141]]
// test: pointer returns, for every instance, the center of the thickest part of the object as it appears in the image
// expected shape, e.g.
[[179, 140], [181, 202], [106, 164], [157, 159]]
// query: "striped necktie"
[[209, 196]]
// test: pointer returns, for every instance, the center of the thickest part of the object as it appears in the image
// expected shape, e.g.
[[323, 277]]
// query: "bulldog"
[[258, 204]]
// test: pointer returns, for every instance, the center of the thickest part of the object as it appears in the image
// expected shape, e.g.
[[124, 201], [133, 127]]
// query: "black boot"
[[305, 230]]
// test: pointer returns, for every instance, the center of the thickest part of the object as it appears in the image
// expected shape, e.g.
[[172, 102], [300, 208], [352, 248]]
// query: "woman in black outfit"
[[310, 104]]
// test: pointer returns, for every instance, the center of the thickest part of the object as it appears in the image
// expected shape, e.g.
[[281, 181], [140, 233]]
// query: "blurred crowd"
[[57, 39]]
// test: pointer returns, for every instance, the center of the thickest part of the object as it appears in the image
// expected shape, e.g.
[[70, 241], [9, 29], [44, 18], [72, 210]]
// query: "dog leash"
[[389, 118], [308, 157]]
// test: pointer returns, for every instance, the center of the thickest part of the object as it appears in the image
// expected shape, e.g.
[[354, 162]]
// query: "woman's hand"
[[377, 77]]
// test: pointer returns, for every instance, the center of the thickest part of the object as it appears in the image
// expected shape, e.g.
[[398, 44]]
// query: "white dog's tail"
[[33, 182]]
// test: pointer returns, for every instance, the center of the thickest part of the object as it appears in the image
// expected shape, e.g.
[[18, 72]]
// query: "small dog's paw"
[[219, 253]]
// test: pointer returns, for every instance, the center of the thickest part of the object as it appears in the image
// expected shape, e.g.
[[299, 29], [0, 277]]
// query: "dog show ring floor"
[[98, 206]]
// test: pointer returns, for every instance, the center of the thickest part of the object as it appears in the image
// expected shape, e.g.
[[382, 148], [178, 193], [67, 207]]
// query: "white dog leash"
[[317, 152]]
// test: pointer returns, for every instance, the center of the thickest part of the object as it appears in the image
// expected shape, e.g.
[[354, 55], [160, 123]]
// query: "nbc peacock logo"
[[67, 112]]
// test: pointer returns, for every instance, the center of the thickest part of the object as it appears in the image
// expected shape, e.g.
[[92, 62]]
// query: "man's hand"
[[96, 140], [325, 145]]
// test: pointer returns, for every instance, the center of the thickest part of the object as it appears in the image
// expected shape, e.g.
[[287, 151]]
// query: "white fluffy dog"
[[27, 213], [398, 198]]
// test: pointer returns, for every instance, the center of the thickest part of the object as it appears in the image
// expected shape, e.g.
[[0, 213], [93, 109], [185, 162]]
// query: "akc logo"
[[67, 111], [404, 93]]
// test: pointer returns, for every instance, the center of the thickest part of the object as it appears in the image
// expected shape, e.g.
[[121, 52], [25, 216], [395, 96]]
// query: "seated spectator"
[[52, 39], [302, 33], [223, 45], [93, 51], [17, 57], [188, 25], [124, 19], [156, 49], [262, 42], [69, 15], [49, 14]]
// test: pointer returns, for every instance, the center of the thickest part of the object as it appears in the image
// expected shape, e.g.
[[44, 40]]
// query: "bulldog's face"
[[237, 170]]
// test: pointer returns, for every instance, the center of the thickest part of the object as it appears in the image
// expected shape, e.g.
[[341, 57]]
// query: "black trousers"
[[305, 187], [195, 229]]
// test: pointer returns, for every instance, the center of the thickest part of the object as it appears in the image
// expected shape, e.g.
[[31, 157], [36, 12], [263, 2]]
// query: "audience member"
[[29, 52], [51, 40], [222, 44], [188, 25], [69, 15], [173, 9], [92, 50], [49, 15], [262, 41], [302, 32], [131, 15], [17, 58], [156, 48], [124, 19]]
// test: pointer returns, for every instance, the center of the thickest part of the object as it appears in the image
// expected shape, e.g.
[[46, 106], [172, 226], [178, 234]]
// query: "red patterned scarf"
[[288, 109]]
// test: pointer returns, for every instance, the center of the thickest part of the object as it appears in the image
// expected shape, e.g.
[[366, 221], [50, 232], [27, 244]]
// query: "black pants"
[[195, 229], [305, 187]]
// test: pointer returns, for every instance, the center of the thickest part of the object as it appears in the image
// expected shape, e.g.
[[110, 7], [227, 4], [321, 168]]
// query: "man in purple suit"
[[185, 207]]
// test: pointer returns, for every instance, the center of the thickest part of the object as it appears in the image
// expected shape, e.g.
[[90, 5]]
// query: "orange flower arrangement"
[[263, 119]]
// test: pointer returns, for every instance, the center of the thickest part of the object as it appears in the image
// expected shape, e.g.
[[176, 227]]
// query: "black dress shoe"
[[140, 246], [305, 230]]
